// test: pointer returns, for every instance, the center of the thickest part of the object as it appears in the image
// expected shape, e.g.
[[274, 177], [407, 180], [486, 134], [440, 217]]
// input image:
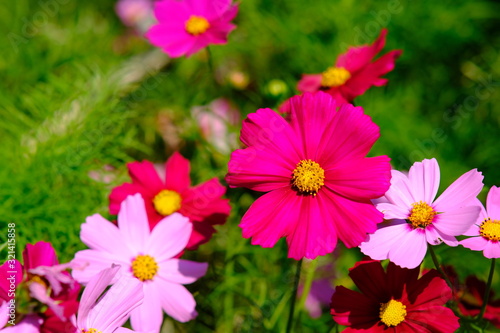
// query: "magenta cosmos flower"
[[172, 192], [314, 167], [106, 312], [354, 72], [486, 230], [395, 301], [417, 218], [185, 27], [147, 256]]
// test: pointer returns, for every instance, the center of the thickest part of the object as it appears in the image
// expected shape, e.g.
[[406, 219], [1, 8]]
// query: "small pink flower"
[[315, 170], [145, 255], [416, 218], [215, 121], [135, 13], [486, 230], [171, 192], [108, 313], [185, 27], [354, 72]]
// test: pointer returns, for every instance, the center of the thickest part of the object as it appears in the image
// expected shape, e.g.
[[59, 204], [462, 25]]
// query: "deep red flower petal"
[[120, 193], [370, 278], [351, 308], [437, 319]]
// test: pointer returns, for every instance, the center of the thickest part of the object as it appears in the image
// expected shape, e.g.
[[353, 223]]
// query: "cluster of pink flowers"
[[320, 187]]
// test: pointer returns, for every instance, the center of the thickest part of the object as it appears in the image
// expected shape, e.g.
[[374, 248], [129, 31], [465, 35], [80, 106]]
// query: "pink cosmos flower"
[[215, 121], [49, 287], [185, 27], [202, 204], [145, 255], [354, 72], [416, 218], [486, 229], [108, 313], [135, 13], [314, 167]]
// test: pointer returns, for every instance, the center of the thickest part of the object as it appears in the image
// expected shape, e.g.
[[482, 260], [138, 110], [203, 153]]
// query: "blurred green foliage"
[[80, 92]]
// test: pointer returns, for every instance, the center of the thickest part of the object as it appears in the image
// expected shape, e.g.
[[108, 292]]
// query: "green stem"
[[438, 267], [210, 63], [294, 297], [487, 291], [310, 270]]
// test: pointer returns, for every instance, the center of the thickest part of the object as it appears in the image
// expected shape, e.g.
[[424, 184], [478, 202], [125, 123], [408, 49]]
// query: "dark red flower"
[[394, 301], [202, 204]]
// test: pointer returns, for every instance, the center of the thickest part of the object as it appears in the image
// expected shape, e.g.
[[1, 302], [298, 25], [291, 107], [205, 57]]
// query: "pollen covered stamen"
[[196, 25], [90, 330], [308, 177], [334, 77], [144, 267], [392, 313], [421, 215], [167, 202], [490, 229]]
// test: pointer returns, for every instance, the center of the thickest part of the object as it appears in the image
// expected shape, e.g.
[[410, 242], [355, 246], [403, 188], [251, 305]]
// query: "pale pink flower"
[[486, 229], [416, 218], [145, 255], [215, 121]]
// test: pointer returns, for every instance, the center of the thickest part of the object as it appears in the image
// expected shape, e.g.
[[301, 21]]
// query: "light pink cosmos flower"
[[108, 313], [185, 27], [147, 256], [215, 120], [315, 170], [487, 227], [416, 218], [135, 13], [354, 72]]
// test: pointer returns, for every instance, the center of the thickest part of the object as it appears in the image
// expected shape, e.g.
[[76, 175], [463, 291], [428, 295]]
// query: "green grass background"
[[79, 92]]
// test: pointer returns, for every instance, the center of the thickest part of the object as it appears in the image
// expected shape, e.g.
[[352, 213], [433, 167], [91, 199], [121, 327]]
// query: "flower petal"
[[88, 263], [493, 203], [352, 308], [456, 222], [148, 317], [357, 57], [477, 243], [133, 222], [181, 271], [120, 193], [378, 244], [177, 302], [492, 250], [463, 190], [424, 180], [169, 237], [177, 173], [362, 179], [409, 251], [309, 83], [144, 174], [266, 225], [102, 235]]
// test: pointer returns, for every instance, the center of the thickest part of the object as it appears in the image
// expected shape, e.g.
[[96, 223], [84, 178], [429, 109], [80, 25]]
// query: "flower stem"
[[294, 297], [310, 270], [438, 267], [210, 62], [487, 291]]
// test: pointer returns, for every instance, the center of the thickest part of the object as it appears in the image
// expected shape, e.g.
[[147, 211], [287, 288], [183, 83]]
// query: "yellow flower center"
[[335, 76], [308, 177], [196, 25], [421, 215], [144, 267], [90, 330], [167, 202], [392, 313], [490, 229]]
